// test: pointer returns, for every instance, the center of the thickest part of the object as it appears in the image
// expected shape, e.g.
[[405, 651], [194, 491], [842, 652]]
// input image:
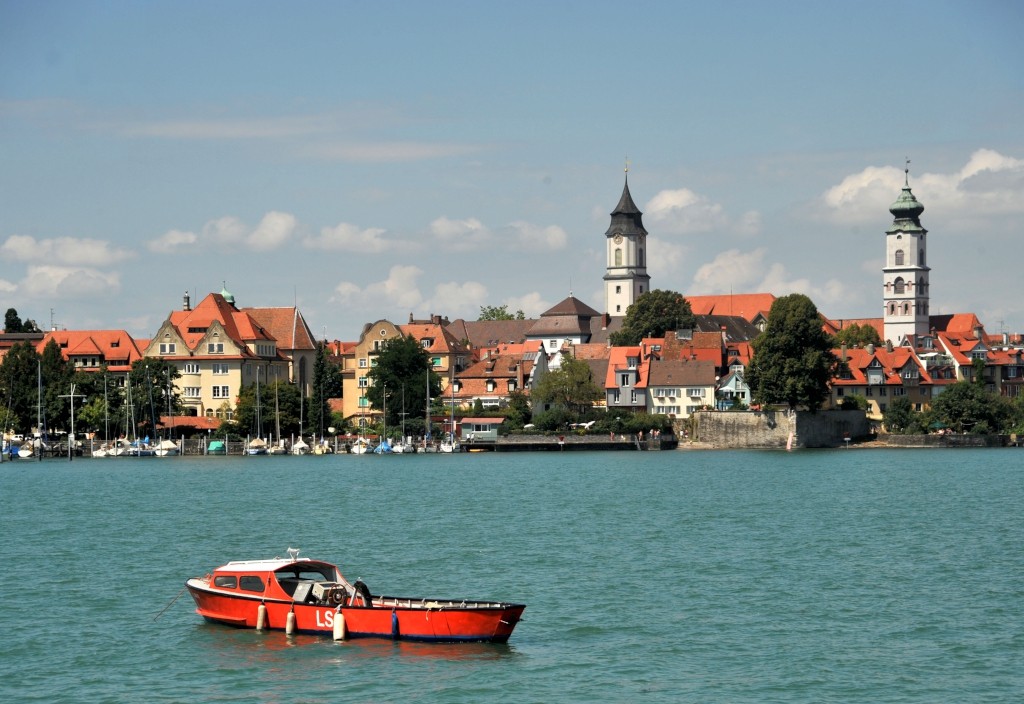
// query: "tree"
[[967, 407], [499, 313], [900, 416], [855, 335], [278, 406], [404, 373], [153, 393], [571, 386], [57, 376], [12, 323], [18, 383], [326, 385], [652, 315], [793, 361]]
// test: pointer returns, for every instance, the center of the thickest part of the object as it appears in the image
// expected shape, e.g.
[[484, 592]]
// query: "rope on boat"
[[170, 604]]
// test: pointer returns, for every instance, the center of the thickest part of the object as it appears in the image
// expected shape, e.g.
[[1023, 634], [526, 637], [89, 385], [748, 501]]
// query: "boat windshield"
[[289, 577]]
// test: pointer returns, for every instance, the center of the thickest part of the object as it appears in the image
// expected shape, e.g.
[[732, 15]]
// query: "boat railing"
[[432, 604]]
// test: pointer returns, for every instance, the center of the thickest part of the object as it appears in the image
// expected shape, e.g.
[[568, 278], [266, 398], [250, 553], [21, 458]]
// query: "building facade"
[[625, 277]]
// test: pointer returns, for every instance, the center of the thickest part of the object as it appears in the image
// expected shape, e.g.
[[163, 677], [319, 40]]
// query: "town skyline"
[[471, 164]]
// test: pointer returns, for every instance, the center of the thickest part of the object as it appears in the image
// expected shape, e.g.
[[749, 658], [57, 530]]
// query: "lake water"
[[812, 576]]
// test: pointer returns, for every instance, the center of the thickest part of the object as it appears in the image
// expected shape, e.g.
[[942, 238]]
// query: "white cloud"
[[988, 184], [347, 237], [682, 211], [665, 258], [538, 237], [532, 304], [267, 128], [749, 272], [66, 282], [457, 299], [274, 230], [225, 231], [400, 290], [460, 235], [171, 241], [63, 250]]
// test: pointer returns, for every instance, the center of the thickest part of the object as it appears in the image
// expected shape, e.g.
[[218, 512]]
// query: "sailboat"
[[299, 447], [279, 448], [257, 446], [449, 444]]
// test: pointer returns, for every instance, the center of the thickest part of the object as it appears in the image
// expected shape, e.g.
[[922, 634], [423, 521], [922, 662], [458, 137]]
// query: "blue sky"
[[372, 160]]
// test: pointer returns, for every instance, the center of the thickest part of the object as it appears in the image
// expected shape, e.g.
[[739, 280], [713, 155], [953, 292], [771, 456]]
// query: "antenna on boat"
[[293, 553]]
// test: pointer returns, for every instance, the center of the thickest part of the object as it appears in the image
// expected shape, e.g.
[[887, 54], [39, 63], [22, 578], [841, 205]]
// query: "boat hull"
[[396, 618]]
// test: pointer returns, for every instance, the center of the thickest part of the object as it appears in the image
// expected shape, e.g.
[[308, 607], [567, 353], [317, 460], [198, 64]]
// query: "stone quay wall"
[[772, 429]]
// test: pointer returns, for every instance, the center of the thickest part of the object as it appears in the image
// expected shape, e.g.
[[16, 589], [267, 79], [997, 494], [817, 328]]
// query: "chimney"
[[977, 332], [870, 348], [186, 303], [842, 351], [888, 345]]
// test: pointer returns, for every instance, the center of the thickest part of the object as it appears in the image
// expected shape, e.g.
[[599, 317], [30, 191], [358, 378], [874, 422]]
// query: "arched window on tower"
[[618, 257], [898, 285], [899, 257], [922, 287], [640, 254], [906, 309], [892, 309]]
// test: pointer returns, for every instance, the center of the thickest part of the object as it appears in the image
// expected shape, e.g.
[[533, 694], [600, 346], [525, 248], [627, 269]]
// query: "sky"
[[376, 160]]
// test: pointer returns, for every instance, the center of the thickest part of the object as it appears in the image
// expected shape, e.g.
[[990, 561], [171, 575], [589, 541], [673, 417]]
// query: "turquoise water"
[[813, 576]]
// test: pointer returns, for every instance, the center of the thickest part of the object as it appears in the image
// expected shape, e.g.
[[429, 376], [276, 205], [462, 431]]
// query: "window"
[[490, 385], [252, 583], [618, 289], [511, 385], [435, 361], [209, 413], [230, 582], [363, 382], [191, 392], [618, 257], [426, 342], [215, 348], [899, 285], [695, 393], [899, 257], [220, 368], [362, 363], [899, 391], [632, 397], [191, 368], [220, 391], [615, 396], [363, 402], [839, 391], [624, 379], [670, 410], [640, 260], [167, 348]]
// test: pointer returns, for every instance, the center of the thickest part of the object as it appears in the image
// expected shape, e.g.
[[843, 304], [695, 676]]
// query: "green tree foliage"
[[793, 361], [57, 376], [276, 405], [517, 414], [967, 407], [900, 416], [13, 323], [855, 335], [570, 387], [403, 371], [18, 375], [326, 385], [499, 313], [652, 315], [151, 382]]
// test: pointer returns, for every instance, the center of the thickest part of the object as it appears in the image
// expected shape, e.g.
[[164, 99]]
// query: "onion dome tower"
[[905, 274], [626, 275]]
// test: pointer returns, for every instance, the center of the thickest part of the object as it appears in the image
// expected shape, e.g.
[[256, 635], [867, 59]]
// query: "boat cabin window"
[[229, 581], [290, 577], [251, 583]]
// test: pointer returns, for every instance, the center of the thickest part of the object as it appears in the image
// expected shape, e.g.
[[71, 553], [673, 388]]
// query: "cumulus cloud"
[[172, 241], [532, 304], [551, 238], [989, 183], [681, 211], [351, 238], [462, 235], [748, 271], [274, 230], [63, 250], [386, 152], [68, 282], [401, 291], [665, 258]]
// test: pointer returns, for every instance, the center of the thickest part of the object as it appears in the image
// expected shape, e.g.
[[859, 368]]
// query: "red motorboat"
[[300, 595]]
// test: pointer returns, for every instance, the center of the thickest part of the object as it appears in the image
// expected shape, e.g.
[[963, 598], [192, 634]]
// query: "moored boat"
[[301, 595]]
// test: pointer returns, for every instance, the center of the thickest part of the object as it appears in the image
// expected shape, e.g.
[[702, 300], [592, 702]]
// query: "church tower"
[[625, 276], [905, 275]]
